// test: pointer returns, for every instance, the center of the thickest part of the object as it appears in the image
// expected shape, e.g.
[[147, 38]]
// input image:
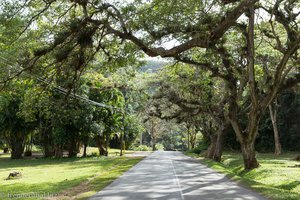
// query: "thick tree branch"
[[278, 79], [215, 34], [251, 52]]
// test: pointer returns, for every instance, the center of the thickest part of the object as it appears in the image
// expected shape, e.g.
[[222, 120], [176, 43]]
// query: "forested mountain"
[[153, 65]]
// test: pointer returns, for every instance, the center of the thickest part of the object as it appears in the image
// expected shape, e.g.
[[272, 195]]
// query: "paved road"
[[173, 176]]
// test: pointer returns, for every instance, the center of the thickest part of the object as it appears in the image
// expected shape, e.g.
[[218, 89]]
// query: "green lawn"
[[276, 178], [57, 175]]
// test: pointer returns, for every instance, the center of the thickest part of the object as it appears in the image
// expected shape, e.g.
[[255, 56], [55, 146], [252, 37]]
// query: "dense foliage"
[[229, 63]]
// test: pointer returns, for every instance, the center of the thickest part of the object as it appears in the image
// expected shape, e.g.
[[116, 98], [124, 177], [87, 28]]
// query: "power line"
[[65, 92]]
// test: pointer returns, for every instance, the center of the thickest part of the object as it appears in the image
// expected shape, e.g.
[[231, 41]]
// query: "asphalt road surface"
[[167, 175]]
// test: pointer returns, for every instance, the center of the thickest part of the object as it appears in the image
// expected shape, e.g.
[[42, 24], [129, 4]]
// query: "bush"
[[159, 146], [202, 146], [142, 148]]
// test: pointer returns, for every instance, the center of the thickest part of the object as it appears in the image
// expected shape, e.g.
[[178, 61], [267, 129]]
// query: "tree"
[[97, 26], [189, 95], [109, 120], [14, 127], [260, 101]]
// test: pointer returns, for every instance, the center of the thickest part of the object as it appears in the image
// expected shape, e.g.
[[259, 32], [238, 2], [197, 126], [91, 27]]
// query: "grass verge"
[[278, 177], [53, 176]]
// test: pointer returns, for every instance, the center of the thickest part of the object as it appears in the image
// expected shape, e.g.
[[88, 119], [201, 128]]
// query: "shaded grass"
[[276, 178], [55, 175]]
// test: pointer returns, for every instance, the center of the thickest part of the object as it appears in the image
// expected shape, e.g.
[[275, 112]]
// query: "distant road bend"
[[167, 175]]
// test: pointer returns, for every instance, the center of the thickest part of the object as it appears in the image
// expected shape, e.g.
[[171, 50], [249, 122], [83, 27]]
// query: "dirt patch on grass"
[[73, 192], [85, 186]]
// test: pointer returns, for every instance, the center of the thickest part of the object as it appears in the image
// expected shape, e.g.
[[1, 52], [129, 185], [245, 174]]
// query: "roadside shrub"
[[202, 146], [142, 148], [159, 146]]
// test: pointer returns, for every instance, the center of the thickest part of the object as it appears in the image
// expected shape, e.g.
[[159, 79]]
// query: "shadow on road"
[[173, 176]]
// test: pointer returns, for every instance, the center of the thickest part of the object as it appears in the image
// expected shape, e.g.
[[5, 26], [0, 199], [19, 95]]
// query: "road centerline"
[[177, 180], [166, 175]]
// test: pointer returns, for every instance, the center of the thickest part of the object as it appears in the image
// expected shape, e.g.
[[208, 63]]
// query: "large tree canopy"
[[251, 46]]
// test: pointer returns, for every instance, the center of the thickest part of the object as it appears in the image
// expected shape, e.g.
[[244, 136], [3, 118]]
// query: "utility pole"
[[122, 134], [123, 121], [153, 133], [188, 136]]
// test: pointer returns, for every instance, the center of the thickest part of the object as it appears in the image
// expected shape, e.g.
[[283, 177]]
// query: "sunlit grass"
[[101, 181], [55, 175], [277, 177]]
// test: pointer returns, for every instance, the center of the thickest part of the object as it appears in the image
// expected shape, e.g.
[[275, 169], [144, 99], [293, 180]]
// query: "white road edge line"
[[177, 181]]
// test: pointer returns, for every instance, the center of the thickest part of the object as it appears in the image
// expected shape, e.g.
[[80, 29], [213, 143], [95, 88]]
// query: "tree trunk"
[[5, 150], [249, 155], [193, 139], [84, 149], [273, 114], [48, 150], [107, 142], [17, 143], [28, 146], [58, 153], [219, 143], [102, 151], [46, 139], [153, 146], [28, 150], [72, 148], [247, 141], [212, 146], [248, 137], [100, 144], [17, 150]]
